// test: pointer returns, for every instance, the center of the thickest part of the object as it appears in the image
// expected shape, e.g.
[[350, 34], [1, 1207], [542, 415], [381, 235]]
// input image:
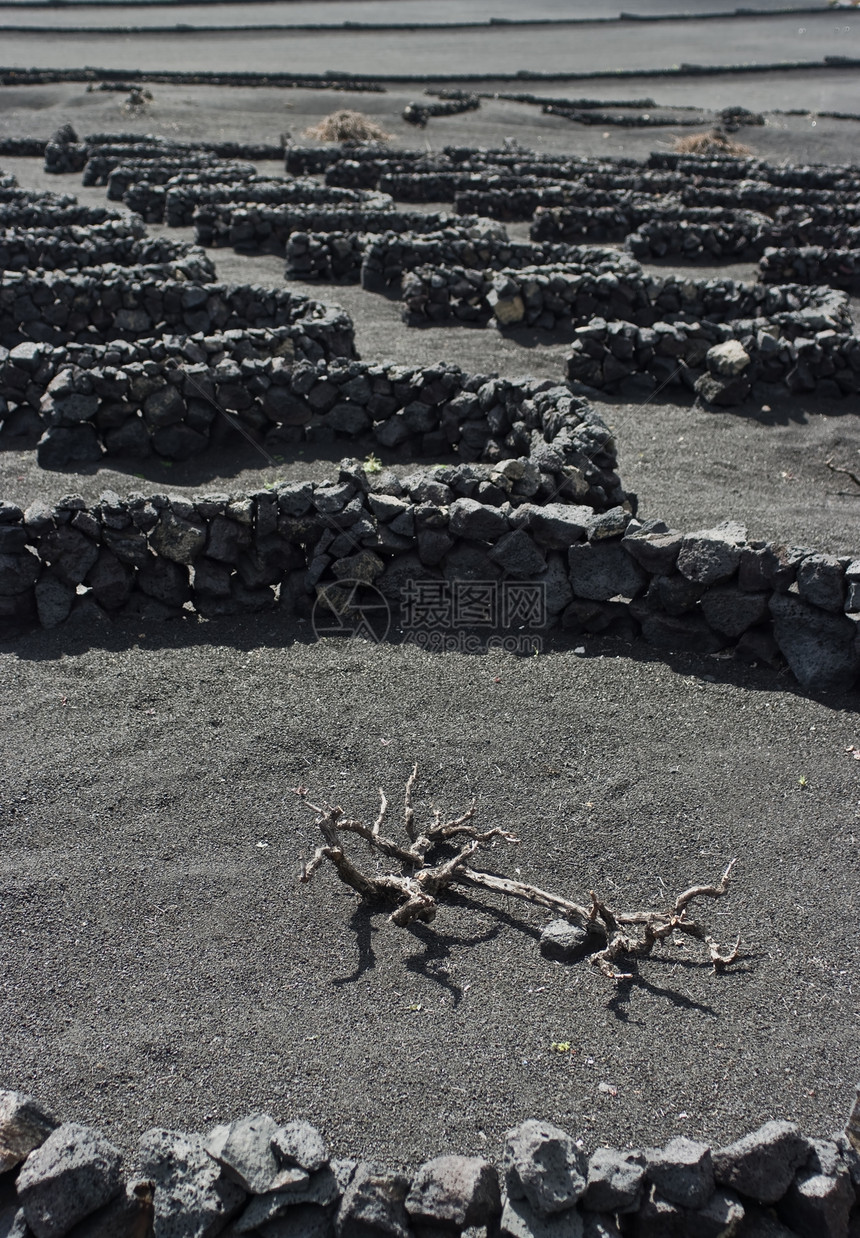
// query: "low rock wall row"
[[663, 172], [50, 210], [720, 363], [104, 245], [379, 260], [671, 223], [560, 296], [160, 171], [729, 167], [184, 197], [88, 308], [706, 233], [268, 229], [102, 159], [64, 153], [258, 1177], [27, 370], [520, 204], [313, 160], [455, 102], [305, 544], [813, 264], [171, 407], [542, 446], [628, 119], [454, 171]]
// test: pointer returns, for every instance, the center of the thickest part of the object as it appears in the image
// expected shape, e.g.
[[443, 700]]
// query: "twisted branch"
[[417, 887]]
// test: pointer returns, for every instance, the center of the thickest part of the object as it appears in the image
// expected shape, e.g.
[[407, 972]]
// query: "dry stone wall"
[[184, 197], [379, 260], [56, 308], [536, 498], [263, 1178], [555, 295], [121, 360], [261, 228], [160, 171]]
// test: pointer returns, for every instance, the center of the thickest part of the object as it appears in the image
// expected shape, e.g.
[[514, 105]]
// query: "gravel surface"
[[363, 12], [574, 49], [162, 966]]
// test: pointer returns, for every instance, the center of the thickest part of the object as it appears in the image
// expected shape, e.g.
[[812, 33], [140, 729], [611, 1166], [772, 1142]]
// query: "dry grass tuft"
[[346, 126], [714, 142]]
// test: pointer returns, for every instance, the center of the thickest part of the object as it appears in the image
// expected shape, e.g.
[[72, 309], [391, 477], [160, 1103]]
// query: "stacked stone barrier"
[[380, 259], [259, 1177], [48, 210], [707, 233], [484, 247], [144, 408], [721, 362], [88, 308], [313, 160], [813, 264], [102, 160], [630, 118], [454, 103], [21, 148], [27, 370], [540, 445], [563, 295], [114, 244], [160, 171], [455, 166], [185, 197], [254, 229], [703, 235], [64, 152], [730, 167], [658, 228], [596, 567]]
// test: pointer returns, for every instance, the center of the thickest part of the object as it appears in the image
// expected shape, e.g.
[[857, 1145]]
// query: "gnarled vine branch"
[[417, 887]]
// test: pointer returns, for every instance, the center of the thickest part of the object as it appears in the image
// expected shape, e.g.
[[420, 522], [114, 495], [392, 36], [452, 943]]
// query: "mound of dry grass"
[[346, 126], [715, 142]]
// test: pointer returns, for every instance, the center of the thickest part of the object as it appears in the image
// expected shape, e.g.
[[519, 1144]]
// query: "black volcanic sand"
[[162, 965], [599, 47]]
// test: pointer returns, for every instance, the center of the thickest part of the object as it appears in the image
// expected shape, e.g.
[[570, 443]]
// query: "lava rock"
[[299, 1143], [712, 555], [819, 647], [520, 1220], [763, 1163], [543, 1165], [562, 941], [24, 1126], [603, 570], [682, 1172], [455, 1191], [192, 1198], [71, 1175], [374, 1201], [614, 1182]]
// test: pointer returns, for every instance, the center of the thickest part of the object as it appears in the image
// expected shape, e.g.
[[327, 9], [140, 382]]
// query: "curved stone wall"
[[262, 1178]]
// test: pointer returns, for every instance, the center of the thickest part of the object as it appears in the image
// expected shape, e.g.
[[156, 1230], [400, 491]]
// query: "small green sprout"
[[803, 781], [560, 1046], [372, 464]]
